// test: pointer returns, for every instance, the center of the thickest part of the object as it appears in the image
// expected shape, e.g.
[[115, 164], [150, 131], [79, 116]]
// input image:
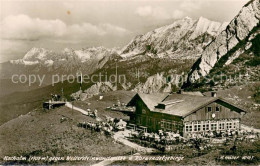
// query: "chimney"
[[213, 94]]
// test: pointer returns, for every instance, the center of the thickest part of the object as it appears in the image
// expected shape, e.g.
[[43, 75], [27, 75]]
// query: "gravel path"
[[69, 105]]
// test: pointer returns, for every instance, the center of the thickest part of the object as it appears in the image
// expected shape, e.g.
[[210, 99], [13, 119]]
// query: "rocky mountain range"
[[230, 43], [224, 52], [151, 62], [185, 38], [68, 60], [40, 61]]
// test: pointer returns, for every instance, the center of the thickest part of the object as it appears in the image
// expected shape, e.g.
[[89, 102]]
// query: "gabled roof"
[[150, 100], [181, 104], [188, 105]]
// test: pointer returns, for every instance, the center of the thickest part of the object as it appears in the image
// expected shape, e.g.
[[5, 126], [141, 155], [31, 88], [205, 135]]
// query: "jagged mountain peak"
[[67, 50], [184, 38], [229, 41], [41, 55], [36, 54], [187, 18], [204, 25]]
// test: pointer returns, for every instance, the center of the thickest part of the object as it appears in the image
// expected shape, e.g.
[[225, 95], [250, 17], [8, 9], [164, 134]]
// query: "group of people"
[[55, 97], [107, 126], [98, 127], [223, 134], [156, 140], [93, 114]]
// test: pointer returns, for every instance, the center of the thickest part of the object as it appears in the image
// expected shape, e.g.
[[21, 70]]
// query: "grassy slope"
[[42, 133]]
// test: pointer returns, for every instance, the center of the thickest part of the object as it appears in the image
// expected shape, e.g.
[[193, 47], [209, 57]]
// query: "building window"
[[229, 125], [199, 127], [217, 108], [188, 127], [213, 126], [167, 125], [236, 125], [174, 124], [195, 127], [221, 126], [162, 124], [143, 111], [207, 127], [209, 109]]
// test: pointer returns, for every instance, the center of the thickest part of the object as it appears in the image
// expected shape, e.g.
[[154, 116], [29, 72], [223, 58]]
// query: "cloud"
[[191, 5], [154, 12], [182, 10], [177, 14], [87, 29], [144, 11], [23, 27], [159, 13]]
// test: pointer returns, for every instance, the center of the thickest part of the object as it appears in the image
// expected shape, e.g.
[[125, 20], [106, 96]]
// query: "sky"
[[59, 24]]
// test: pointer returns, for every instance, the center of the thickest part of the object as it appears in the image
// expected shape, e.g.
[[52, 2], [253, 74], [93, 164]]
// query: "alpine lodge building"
[[187, 113]]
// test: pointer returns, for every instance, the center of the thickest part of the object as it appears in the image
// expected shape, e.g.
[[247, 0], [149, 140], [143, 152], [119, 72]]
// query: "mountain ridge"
[[185, 38], [237, 30], [37, 55]]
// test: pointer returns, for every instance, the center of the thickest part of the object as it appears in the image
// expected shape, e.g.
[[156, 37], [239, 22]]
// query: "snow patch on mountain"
[[36, 54], [48, 63]]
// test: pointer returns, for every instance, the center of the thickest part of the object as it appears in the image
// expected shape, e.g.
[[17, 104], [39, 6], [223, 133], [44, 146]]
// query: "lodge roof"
[[188, 105], [151, 100], [181, 104], [171, 102]]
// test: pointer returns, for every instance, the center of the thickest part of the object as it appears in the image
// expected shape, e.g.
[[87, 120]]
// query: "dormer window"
[[168, 104], [160, 106]]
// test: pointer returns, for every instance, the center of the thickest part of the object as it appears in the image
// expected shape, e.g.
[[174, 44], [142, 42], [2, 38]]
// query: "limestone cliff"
[[238, 30]]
